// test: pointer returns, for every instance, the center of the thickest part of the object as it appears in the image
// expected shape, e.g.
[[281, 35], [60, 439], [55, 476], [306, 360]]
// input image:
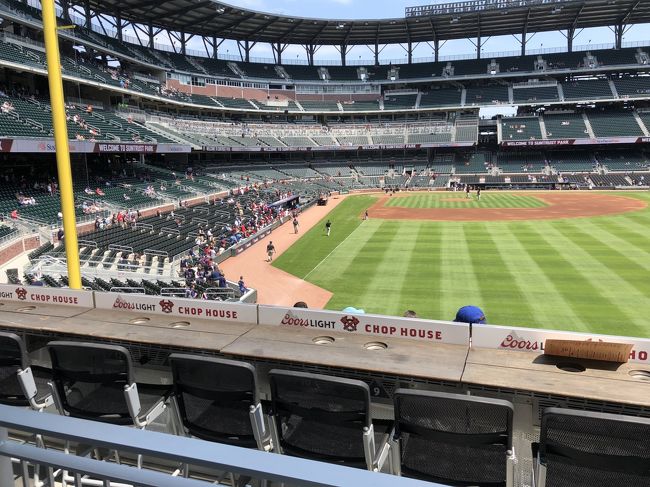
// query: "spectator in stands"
[[191, 292], [60, 235], [470, 314], [354, 311]]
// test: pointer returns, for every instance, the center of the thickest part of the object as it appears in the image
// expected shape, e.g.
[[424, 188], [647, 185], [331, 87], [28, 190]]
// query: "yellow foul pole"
[[61, 140]]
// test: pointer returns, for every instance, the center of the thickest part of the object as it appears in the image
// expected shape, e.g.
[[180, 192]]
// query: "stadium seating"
[[433, 138], [90, 379], [609, 180], [521, 162], [521, 128], [565, 126], [298, 142], [360, 106], [319, 106], [633, 87], [587, 90], [215, 398], [645, 118], [234, 103], [387, 139], [474, 164], [579, 448], [614, 124], [323, 418], [466, 133], [486, 95], [16, 368], [400, 102], [568, 162], [443, 97], [623, 161], [534, 94], [471, 438]]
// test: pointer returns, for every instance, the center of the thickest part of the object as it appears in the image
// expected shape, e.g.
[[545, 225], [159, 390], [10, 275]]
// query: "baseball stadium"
[[255, 244]]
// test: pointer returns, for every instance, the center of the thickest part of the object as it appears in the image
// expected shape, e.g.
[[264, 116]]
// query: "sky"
[[363, 9]]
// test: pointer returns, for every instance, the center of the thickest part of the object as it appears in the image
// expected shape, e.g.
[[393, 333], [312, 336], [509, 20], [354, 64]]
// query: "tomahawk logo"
[[166, 306], [21, 293], [350, 323]]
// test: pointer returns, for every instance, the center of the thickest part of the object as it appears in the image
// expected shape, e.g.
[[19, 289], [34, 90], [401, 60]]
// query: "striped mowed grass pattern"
[[587, 274], [459, 200]]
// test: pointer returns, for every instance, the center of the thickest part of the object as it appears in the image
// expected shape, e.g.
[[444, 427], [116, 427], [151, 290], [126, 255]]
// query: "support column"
[[570, 35], [247, 51], [65, 6], [376, 53], [87, 17], [436, 50], [478, 47], [278, 52], [183, 44], [409, 52], [152, 40], [215, 47], [618, 34], [344, 50], [311, 51], [118, 26]]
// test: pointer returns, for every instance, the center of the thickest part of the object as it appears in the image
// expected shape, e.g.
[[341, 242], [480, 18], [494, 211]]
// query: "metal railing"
[[164, 449]]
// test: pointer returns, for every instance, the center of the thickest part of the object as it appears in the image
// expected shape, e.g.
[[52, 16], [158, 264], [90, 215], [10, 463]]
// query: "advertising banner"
[[46, 295], [85, 146], [365, 324], [532, 340], [571, 142], [178, 307]]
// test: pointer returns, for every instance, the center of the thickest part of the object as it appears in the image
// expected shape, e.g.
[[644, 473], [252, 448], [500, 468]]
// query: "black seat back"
[[320, 417], [90, 378], [12, 358], [214, 398], [452, 438], [580, 448]]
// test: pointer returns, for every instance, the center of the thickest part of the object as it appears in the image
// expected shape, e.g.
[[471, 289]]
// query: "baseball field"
[[568, 261]]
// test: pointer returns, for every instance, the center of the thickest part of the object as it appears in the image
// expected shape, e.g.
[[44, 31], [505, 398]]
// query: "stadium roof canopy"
[[459, 20]]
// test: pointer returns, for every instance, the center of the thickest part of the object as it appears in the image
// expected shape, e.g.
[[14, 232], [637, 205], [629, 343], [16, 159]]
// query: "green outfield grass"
[[588, 274], [459, 200]]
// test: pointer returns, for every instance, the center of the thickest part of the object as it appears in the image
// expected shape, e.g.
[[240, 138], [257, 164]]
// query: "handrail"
[[128, 289], [169, 448], [157, 253]]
